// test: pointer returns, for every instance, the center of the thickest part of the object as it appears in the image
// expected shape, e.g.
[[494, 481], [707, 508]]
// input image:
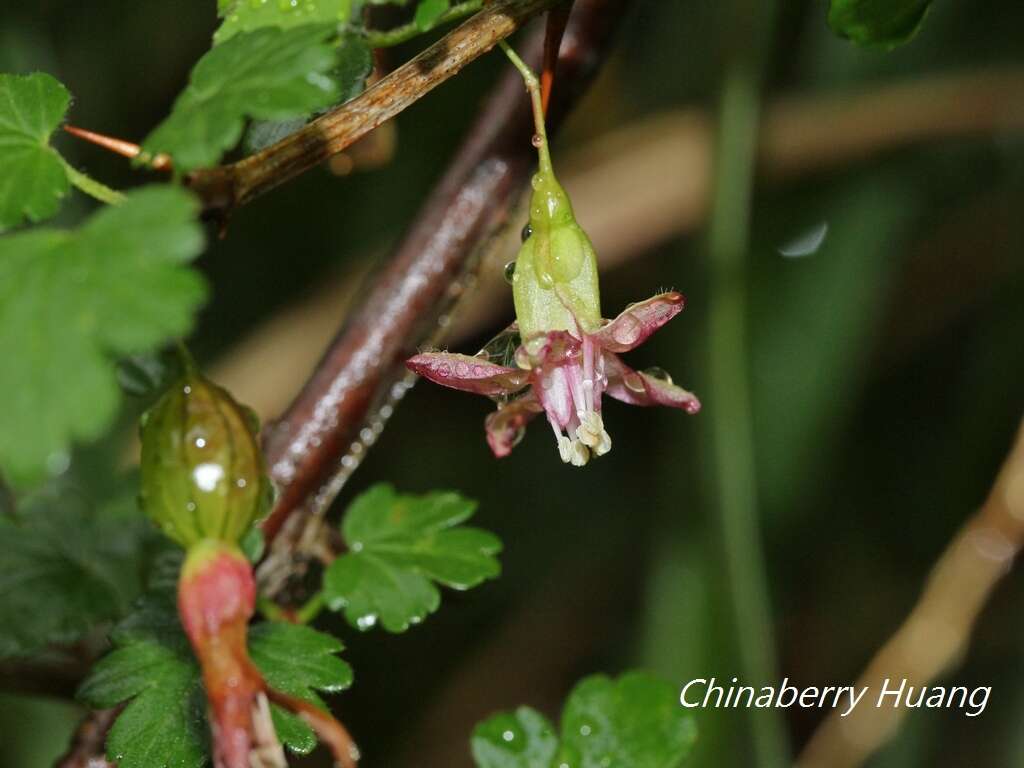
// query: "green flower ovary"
[[203, 475], [555, 282]]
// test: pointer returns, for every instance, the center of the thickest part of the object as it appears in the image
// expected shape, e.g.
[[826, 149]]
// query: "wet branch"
[[228, 186]]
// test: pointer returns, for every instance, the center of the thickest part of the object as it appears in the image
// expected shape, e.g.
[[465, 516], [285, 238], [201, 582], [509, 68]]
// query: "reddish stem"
[[558, 18], [119, 147], [330, 731]]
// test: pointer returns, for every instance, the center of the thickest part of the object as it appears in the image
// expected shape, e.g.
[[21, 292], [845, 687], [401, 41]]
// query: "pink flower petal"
[[469, 374], [554, 388], [637, 388], [638, 321], [506, 426]]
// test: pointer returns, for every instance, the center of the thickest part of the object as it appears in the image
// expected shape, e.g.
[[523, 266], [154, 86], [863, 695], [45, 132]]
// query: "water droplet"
[[658, 373], [527, 231], [627, 329], [366, 622], [807, 243], [57, 463], [510, 272], [584, 730], [536, 182], [207, 475], [537, 140], [200, 442], [633, 382], [508, 736], [354, 753]]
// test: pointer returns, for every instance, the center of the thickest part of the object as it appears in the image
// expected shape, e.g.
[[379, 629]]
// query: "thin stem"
[[91, 187], [730, 418], [536, 101], [310, 609], [387, 38], [272, 610]]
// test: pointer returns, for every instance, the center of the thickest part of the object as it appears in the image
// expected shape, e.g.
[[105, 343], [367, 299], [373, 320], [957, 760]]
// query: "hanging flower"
[[560, 356], [563, 374]]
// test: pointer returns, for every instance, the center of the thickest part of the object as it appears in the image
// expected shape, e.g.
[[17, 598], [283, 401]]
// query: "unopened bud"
[[203, 475]]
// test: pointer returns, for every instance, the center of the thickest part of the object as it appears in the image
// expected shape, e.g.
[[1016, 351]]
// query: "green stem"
[[271, 610], [311, 609], [728, 373], [391, 37], [533, 87], [91, 187]]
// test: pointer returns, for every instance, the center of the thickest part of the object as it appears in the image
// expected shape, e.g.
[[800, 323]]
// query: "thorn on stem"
[[120, 147]]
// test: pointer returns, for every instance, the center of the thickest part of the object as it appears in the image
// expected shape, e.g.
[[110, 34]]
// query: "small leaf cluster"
[[634, 722], [399, 546], [73, 301]]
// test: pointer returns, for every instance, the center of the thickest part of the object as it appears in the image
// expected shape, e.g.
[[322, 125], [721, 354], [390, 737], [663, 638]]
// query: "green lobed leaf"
[[268, 74], [299, 661], [152, 666], [33, 179], [164, 724], [398, 546], [71, 301], [428, 12], [65, 567], [635, 721], [246, 15], [524, 739], [884, 23]]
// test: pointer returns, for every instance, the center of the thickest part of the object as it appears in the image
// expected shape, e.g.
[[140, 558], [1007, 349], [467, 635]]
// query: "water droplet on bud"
[[634, 382], [526, 233], [658, 373], [510, 272], [537, 140]]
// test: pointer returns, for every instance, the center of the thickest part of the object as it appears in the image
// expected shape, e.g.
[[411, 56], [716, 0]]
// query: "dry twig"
[[935, 635]]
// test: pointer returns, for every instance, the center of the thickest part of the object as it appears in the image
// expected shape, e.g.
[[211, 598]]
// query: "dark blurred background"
[[886, 347]]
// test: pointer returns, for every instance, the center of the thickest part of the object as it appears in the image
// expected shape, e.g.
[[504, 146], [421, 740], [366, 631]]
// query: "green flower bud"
[[203, 475], [555, 284]]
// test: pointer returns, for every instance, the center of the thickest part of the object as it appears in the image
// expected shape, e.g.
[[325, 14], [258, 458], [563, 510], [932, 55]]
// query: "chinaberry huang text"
[[709, 693]]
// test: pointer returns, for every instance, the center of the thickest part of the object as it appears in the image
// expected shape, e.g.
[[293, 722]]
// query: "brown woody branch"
[[225, 187]]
